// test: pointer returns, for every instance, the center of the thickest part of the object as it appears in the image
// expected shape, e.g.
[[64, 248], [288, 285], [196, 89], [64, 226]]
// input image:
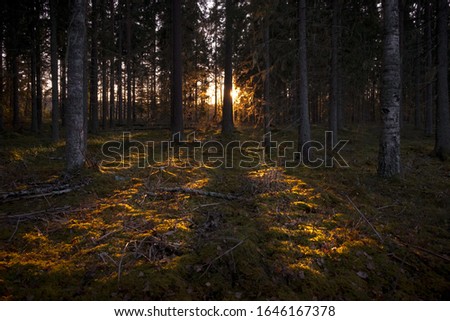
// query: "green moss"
[[294, 235]]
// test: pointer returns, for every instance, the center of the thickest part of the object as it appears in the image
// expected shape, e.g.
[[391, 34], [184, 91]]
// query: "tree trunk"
[[442, 146], [111, 64], [119, 75], [429, 72], [63, 90], [177, 79], [1, 72], [333, 111], [402, 12], [12, 52], [389, 154], [39, 93], [128, 64], [154, 66], [227, 108], [104, 92], [94, 70], [34, 111], [266, 82], [54, 70], [76, 136], [304, 130], [104, 65], [133, 94], [417, 71]]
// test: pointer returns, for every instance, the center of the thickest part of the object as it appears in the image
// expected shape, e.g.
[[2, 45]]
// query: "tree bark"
[[128, 64], [389, 154], [333, 111], [119, 73], [177, 79], [39, 94], [442, 146], [76, 136], [417, 75], [304, 129], [63, 90], [266, 82], [13, 53], [104, 66], [34, 110], [429, 71], [1, 71], [94, 70], [54, 70], [227, 108], [111, 65]]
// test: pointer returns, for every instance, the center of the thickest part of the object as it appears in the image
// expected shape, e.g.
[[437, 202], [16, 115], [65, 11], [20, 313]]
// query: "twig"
[[110, 258], [387, 206], [35, 213], [365, 218], [430, 252], [205, 205], [402, 261], [105, 236], [119, 271], [220, 256], [15, 230], [195, 191]]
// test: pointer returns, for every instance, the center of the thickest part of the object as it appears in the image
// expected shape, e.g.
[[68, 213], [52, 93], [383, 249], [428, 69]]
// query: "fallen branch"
[[42, 191], [365, 218], [64, 210], [194, 191], [430, 252], [419, 248]]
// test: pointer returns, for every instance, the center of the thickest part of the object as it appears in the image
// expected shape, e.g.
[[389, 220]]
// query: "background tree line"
[[174, 63]]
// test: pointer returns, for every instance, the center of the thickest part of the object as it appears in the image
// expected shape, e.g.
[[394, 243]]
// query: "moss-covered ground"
[[291, 234]]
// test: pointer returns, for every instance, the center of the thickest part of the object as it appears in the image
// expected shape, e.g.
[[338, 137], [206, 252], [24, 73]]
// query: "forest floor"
[[268, 232]]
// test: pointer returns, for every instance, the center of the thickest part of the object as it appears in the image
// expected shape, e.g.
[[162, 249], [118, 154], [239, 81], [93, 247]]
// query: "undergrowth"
[[326, 233]]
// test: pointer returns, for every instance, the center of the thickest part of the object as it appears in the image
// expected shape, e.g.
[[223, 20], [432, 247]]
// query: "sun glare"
[[235, 93]]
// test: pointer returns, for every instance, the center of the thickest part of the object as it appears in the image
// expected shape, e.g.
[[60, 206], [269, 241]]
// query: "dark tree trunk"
[[34, 108], [333, 111], [54, 70], [227, 108], [177, 78], [304, 130], [111, 64], [266, 82], [76, 136], [1, 72], [442, 147], [104, 93], [119, 76], [16, 121], [128, 63], [389, 154], [154, 65], [94, 70], [417, 75], [39, 93], [63, 91], [104, 66], [133, 95], [402, 12], [429, 71]]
